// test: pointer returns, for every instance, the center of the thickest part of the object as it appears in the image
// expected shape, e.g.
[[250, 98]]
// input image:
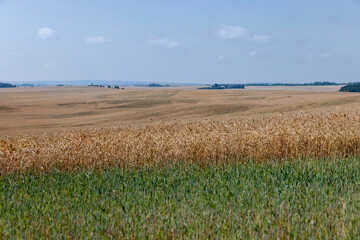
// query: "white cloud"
[[261, 38], [220, 58], [98, 40], [325, 55], [164, 42], [253, 53], [232, 32], [237, 32], [46, 33]]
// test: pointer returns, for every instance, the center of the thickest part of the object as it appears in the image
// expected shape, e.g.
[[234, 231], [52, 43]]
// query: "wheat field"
[[173, 125], [274, 136], [170, 163]]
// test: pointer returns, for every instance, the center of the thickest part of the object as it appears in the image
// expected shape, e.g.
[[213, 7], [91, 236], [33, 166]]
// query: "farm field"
[[59, 108], [309, 199], [179, 120], [150, 127], [179, 163]]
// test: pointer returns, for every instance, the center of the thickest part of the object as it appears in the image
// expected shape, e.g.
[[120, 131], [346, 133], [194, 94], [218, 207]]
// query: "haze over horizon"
[[184, 41]]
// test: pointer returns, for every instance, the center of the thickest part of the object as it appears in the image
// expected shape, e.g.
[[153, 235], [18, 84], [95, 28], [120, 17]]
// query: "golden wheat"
[[260, 138]]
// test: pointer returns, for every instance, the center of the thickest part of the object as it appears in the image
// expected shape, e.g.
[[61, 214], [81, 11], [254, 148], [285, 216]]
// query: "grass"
[[318, 199]]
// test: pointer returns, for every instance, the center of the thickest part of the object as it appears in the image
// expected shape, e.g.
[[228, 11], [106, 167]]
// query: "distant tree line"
[[157, 85], [95, 85], [295, 84], [152, 85], [27, 85], [225, 86], [6, 85], [229, 86], [353, 87]]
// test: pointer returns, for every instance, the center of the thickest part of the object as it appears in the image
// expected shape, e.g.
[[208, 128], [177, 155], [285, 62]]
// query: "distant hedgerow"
[[6, 85], [354, 87]]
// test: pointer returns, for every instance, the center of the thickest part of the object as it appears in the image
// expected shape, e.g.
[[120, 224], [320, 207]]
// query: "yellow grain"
[[261, 138]]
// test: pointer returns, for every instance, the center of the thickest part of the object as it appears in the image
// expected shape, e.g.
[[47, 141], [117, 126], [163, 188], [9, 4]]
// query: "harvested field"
[[45, 109]]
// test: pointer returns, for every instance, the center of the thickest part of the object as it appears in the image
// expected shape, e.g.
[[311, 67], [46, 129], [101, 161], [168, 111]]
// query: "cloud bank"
[[237, 32], [46, 33], [232, 32]]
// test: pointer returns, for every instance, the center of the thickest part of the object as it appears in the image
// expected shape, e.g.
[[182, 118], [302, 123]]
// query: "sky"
[[187, 41]]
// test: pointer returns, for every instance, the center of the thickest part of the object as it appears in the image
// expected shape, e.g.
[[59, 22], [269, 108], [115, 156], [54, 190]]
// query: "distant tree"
[[154, 85], [324, 83], [6, 85], [295, 84], [225, 86], [27, 85], [117, 87], [354, 87]]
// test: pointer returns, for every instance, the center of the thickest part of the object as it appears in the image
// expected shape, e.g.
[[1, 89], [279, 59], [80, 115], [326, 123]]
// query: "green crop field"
[[318, 199]]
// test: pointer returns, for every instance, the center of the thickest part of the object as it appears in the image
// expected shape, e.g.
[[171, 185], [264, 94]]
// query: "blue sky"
[[198, 41]]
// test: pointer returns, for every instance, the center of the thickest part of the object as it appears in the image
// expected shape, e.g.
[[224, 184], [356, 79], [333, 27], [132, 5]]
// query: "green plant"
[[293, 199]]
